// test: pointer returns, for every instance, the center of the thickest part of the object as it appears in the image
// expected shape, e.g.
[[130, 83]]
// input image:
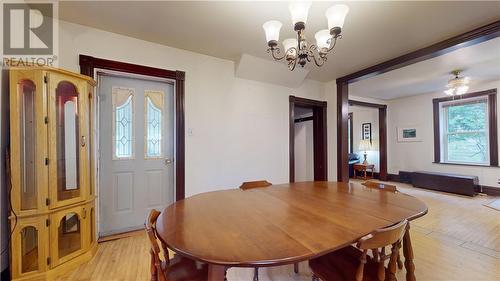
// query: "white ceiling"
[[373, 31], [481, 63]]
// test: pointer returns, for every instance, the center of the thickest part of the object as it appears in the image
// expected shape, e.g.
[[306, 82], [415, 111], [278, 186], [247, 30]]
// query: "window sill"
[[467, 165]]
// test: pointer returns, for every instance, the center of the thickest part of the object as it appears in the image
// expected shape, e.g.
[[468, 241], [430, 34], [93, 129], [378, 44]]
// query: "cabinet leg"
[[408, 253], [296, 268]]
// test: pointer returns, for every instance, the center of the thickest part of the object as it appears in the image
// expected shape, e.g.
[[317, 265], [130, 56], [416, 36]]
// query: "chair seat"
[[342, 265], [184, 269]]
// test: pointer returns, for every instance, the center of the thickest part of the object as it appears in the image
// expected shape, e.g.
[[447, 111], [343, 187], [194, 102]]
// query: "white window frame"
[[443, 111]]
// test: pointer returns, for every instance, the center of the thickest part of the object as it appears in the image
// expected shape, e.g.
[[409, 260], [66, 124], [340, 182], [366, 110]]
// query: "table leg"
[[216, 272], [408, 253]]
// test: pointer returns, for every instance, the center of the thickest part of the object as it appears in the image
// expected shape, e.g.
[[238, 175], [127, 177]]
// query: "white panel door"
[[135, 149]]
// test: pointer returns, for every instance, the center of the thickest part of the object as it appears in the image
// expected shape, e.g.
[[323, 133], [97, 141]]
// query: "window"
[[466, 129], [123, 130]]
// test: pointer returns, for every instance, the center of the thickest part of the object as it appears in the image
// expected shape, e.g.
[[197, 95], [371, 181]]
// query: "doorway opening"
[[308, 140], [367, 140]]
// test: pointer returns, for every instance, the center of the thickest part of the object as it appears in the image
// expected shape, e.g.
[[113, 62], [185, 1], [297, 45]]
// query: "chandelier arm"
[[334, 42], [275, 51], [292, 64], [318, 60]]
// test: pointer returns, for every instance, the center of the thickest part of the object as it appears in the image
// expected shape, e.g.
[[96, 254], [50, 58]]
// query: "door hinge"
[[46, 161], [47, 222], [48, 260], [47, 201], [45, 79], [46, 120]]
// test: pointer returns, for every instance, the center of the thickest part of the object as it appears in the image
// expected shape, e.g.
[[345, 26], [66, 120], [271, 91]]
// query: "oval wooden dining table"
[[281, 224]]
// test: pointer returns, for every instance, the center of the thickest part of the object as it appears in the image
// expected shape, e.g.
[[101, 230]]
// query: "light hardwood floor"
[[459, 239]]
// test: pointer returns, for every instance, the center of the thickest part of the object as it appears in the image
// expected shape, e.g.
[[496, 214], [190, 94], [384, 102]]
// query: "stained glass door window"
[[153, 119], [123, 129]]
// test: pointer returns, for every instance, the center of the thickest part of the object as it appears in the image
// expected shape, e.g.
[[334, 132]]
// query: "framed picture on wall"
[[366, 131], [409, 134]]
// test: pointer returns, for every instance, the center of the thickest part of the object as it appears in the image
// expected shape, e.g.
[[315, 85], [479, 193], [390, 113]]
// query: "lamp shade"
[[457, 86], [299, 11], [272, 30], [365, 145], [322, 39], [336, 15], [290, 43]]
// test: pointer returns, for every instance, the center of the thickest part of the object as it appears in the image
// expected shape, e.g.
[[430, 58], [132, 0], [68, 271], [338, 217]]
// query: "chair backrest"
[[377, 241], [157, 272], [254, 184], [383, 237], [381, 186]]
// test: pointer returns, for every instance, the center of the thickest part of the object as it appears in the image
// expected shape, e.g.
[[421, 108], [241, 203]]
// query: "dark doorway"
[[320, 157]]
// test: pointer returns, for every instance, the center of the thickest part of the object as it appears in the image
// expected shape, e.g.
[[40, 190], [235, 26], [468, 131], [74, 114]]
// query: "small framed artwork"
[[409, 134], [366, 131]]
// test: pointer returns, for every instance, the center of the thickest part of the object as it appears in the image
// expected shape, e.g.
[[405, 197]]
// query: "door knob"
[[168, 161]]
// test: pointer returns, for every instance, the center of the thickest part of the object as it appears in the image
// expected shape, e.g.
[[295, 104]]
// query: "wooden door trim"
[[320, 136], [465, 39], [87, 66]]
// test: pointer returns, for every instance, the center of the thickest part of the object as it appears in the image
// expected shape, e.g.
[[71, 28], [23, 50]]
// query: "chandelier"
[[458, 85], [298, 50]]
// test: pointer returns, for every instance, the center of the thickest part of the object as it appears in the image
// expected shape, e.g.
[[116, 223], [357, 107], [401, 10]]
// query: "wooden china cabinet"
[[52, 172]]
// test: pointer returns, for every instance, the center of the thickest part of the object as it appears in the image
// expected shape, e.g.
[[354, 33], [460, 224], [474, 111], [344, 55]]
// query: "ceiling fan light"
[[323, 39], [299, 11], [461, 90], [272, 30], [449, 92], [336, 15]]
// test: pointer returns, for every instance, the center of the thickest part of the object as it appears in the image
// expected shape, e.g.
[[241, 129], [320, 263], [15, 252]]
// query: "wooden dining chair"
[[254, 184], [354, 263], [258, 184], [389, 188], [176, 269], [379, 185]]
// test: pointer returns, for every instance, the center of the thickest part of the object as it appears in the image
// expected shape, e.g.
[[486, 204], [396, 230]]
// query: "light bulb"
[[299, 11], [290, 43], [336, 15], [272, 30]]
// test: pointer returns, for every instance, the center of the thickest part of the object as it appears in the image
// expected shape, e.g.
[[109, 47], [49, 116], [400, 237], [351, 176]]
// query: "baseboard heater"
[[458, 184]]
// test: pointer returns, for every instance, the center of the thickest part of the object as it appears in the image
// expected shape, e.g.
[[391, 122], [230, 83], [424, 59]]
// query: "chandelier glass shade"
[[299, 50], [458, 85]]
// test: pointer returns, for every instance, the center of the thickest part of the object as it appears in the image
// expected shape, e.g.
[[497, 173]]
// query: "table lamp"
[[365, 145]]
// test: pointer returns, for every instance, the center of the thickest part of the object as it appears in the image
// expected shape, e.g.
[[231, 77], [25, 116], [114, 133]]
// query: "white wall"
[[240, 127], [418, 156], [366, 115], [304, 151]]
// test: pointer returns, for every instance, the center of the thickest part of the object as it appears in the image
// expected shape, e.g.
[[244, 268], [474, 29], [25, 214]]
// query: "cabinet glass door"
[[68, 134], [27, 126], [29, 247], [28, 146], [69, 234]]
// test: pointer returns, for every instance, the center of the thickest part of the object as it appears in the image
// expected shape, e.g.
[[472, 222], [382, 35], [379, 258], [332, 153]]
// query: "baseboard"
[[490, 190], [393, 177], [5, 274]]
